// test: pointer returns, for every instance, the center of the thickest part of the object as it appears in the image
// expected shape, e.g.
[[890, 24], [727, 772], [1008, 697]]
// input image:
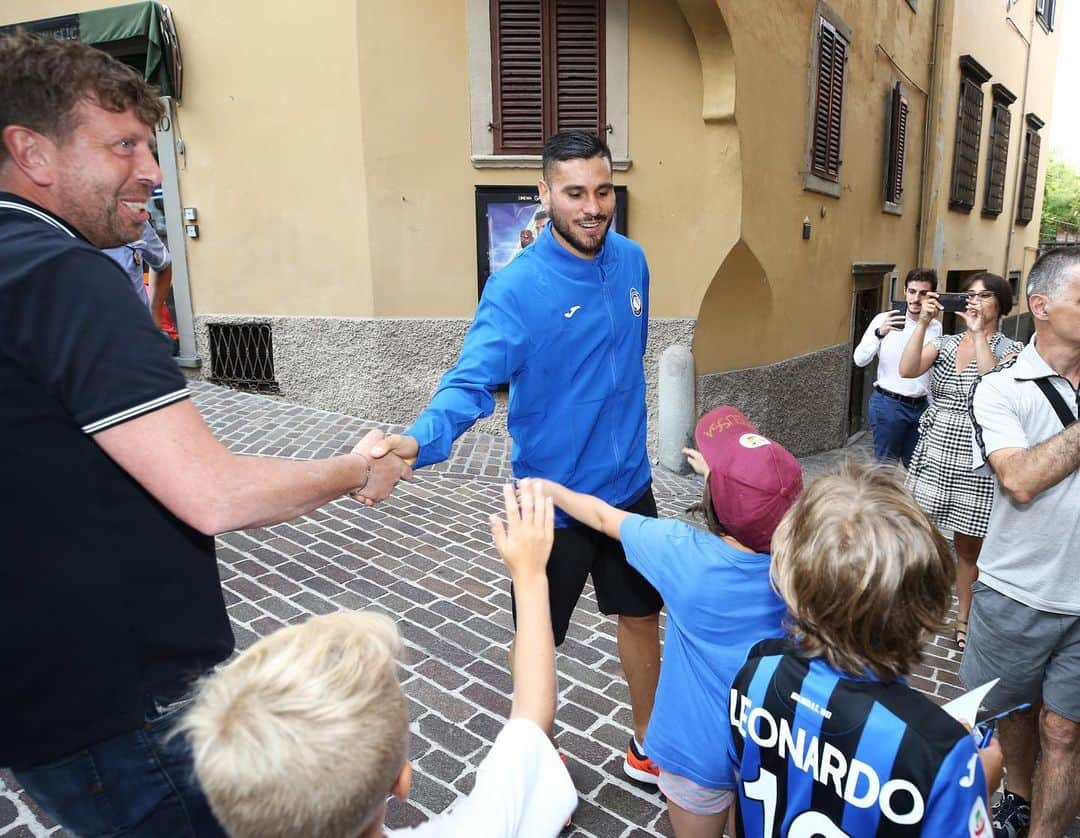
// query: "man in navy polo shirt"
[[110, 602]]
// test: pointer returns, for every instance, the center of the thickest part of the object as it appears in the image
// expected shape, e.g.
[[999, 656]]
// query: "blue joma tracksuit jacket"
[[569, 335]]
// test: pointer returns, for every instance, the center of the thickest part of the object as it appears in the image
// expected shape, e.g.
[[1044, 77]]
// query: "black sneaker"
[[1011, 815]]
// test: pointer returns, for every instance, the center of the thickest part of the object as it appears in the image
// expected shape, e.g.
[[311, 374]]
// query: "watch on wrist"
[[877, 333]]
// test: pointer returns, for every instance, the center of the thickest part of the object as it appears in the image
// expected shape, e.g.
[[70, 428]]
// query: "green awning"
[[141, 35]]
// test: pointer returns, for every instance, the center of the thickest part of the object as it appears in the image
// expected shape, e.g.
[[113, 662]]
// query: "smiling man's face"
[[580, 198], [104, 174]]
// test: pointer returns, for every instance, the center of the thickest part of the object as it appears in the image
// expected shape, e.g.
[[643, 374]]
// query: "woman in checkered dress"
[[940, 474]]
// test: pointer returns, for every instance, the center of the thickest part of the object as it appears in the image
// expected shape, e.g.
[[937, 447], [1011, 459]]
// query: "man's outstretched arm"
[[174, 456]]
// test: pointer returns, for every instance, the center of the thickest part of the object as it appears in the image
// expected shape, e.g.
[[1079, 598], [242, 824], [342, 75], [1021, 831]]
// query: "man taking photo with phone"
[[897, 403]]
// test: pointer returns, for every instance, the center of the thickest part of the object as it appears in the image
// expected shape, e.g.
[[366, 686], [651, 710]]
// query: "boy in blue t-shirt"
[[719, 603]]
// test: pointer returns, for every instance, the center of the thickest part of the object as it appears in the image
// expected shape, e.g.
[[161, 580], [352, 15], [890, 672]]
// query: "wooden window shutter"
[[1030, 174], [547, 70], [577, 83], [894, 184], [517, 50], [829, 99], [965, 172], [997, 153]]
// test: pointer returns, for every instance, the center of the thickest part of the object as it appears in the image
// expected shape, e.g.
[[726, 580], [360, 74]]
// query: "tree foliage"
[[1061, 200]]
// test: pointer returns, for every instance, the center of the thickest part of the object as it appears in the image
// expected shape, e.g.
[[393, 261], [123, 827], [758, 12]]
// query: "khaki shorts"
[[1035, 653]]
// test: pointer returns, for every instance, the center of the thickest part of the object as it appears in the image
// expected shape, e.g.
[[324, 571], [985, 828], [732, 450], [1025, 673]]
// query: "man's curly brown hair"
[[43, 79]]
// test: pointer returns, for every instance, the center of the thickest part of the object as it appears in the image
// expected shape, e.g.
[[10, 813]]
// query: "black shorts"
[[578, 551]]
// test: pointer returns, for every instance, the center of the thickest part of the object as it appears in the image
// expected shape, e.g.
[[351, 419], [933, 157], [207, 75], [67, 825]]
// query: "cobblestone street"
[[425, 558]]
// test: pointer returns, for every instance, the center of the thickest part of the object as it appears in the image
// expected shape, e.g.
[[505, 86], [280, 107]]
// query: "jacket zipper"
[[611, 358]]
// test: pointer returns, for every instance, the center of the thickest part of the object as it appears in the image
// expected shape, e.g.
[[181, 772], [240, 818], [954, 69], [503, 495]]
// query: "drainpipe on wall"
[[927, 168], [1020, 150], [174, 225]]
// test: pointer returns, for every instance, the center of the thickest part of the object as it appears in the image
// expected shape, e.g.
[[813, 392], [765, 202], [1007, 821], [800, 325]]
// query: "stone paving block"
[[315, 604], [436, 698], [444, 676], [596, 702], [280, 584], [450, 610], [266, 625], [490, 629], [424, 616], [596, 821], [403, 814], [242, 612], [452, 737], [441, 765], [485, 726], [626, 804], [498, 703], [584, 748], [496, 677], [280, 608], [585, 778], [575, 717]]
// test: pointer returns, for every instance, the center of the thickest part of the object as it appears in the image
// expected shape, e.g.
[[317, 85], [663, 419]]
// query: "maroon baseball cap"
[[753, 480]]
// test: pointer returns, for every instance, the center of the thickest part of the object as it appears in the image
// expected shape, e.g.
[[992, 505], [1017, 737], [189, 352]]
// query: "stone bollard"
[[675, 407]]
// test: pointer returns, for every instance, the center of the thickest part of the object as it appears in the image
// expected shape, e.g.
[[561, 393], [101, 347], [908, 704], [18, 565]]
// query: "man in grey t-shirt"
[[1025, 614]]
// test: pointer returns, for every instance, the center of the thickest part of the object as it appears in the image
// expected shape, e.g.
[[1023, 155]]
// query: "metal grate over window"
[[242, 356]]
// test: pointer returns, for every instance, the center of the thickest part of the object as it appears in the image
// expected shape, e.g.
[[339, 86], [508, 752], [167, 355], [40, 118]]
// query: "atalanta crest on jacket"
[[635, 302]]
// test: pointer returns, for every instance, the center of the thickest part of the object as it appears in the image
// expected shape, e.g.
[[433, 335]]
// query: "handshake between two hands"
[[389, 458]]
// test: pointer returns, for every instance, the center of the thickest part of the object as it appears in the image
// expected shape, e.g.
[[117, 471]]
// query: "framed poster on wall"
[[509, 218]]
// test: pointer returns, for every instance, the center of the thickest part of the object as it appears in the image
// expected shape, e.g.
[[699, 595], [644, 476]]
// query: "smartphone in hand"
[[953, 302]]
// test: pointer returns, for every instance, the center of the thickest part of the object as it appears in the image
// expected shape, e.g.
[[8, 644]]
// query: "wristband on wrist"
[[877, 333], [367, 471]]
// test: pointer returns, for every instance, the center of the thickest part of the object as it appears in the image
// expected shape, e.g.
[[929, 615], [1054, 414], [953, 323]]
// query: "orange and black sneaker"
[[639, 767]]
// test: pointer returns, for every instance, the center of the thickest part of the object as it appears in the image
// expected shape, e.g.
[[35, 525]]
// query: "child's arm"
[[524, 543], [589, 510]]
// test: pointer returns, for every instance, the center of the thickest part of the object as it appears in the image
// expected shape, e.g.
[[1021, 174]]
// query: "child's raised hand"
[[524, 541], [696, 461]]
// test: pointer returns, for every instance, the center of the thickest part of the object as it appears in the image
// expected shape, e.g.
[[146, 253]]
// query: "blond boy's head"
[[865, 574], [306, 732]]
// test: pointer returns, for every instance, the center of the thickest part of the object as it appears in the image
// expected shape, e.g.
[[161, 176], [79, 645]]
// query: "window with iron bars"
[[242, 356]]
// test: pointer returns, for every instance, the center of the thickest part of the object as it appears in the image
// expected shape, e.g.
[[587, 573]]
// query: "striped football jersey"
[[821, 753]]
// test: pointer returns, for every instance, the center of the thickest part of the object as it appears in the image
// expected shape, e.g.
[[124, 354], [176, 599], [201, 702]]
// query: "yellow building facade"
[[331, 155]]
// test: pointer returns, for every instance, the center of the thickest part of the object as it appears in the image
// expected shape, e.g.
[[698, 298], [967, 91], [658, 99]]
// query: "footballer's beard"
[[588, 246]]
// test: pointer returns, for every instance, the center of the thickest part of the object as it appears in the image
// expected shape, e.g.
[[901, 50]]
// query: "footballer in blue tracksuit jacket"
[[566, 324], [568, 334]]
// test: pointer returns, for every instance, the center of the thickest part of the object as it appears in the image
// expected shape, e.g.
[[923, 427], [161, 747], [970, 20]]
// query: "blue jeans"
[[896, 427], [136, 784]]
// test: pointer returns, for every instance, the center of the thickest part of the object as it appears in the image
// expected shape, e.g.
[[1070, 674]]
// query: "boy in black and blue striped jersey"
[[828, 739]]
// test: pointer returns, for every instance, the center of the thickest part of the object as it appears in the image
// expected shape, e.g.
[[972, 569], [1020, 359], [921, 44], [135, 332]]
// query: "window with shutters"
[[547, 70], [1044, 13], [997, 151], [969, 111], [1029, 174], [896, 151], [828, 66]]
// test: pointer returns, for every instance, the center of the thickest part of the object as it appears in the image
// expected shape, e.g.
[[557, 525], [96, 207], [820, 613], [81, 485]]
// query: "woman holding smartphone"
[[940, 474]]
